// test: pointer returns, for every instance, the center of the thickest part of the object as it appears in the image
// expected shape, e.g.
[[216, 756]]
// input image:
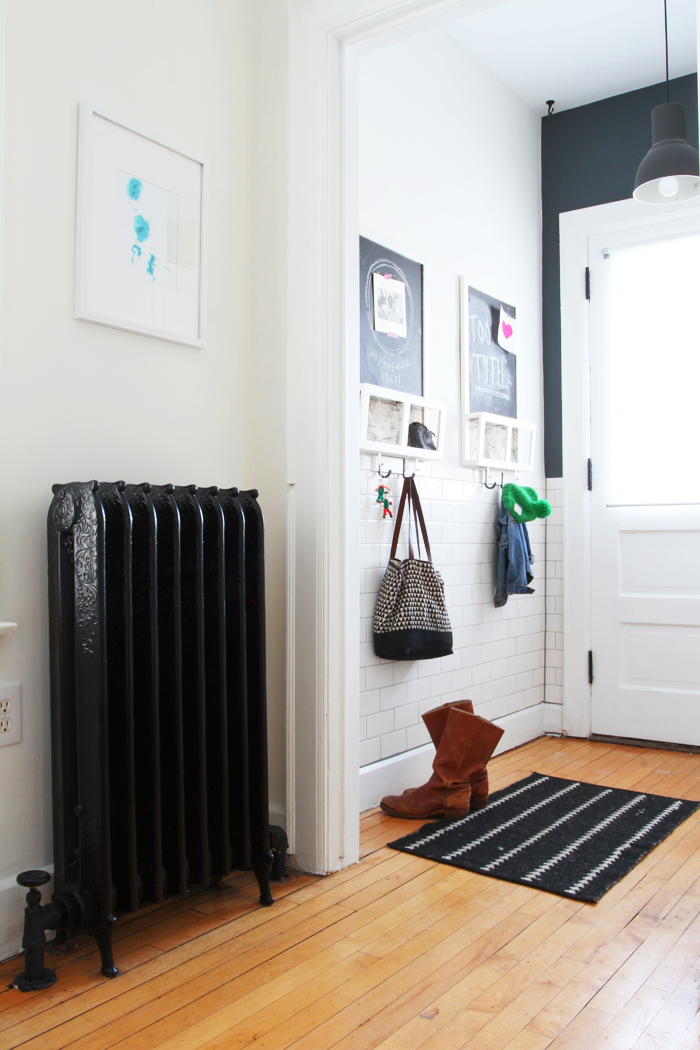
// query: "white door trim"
[[322, 662], [576, 227]]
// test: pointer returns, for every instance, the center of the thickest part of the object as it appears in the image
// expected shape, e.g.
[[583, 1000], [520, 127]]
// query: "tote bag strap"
[[420, 520], [399, 518], [415, 510], [413, 521]]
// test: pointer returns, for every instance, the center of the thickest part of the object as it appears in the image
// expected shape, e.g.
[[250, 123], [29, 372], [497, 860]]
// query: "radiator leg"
[[103, 935], [262, 874]]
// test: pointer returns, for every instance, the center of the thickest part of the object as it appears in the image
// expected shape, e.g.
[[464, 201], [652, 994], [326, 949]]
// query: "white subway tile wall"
[[499, 654], [554, 642]]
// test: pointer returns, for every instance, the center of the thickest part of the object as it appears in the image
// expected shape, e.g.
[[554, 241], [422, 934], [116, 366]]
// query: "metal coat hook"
[[486, 480], [379, 468], [390, 471]]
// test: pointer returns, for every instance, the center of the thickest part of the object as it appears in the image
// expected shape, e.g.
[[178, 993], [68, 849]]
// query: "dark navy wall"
[[590, 156]]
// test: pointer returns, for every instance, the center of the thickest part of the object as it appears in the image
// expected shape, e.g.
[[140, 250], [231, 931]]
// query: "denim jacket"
[[514, 558]]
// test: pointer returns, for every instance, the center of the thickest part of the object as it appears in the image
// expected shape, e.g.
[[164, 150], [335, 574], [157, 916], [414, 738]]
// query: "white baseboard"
[[521, 727], [393, 775], [12, 905], [553, 721]]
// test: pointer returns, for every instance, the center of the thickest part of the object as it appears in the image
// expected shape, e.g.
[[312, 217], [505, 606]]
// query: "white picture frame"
[[397, 421], [485, 436], [144, 272]]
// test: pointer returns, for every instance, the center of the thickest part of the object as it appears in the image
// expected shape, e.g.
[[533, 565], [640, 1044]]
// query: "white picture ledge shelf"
[[7, 627], [385, 418], [498, 442]]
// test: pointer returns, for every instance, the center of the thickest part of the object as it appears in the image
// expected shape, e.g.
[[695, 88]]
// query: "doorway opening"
[[329, 39]]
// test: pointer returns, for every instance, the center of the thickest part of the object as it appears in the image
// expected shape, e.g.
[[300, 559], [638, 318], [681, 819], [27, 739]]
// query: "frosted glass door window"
[[653, 370]]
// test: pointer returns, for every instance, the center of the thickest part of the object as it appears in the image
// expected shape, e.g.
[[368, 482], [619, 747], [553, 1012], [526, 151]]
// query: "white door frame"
[[576, 227], [326, 38]]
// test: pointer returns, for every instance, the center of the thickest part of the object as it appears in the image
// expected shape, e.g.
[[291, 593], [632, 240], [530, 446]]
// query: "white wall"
[[450, 176], [81, 401]]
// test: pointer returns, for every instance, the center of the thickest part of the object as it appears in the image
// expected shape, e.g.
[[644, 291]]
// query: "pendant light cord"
[[666, 36]]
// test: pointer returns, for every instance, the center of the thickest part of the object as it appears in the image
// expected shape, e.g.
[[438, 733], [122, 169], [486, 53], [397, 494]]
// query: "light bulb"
[[668, 187]]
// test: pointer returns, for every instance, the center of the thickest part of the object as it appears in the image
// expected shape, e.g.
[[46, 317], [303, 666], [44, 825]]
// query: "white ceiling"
[[579, 51]]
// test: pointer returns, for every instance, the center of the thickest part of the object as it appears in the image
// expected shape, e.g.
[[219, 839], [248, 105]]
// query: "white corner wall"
[[450, 176], [81, 401]]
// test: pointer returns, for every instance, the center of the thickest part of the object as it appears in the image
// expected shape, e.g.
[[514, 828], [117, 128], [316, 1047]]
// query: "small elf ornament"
[[383, 493]]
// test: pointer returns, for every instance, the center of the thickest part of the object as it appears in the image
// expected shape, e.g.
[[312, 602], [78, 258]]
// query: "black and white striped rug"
[[563, 836]]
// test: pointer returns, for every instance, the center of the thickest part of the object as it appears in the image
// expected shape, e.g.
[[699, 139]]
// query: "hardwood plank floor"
[[399, 953]]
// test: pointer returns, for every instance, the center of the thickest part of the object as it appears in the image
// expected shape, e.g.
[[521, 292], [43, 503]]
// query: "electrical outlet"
[[10, 713]]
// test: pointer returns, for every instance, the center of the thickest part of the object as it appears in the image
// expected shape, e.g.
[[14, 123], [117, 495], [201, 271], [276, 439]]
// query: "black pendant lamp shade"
[[670, 170]]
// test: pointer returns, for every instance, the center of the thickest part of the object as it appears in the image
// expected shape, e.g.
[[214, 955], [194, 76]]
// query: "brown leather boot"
[[466, 746], [435, 721]]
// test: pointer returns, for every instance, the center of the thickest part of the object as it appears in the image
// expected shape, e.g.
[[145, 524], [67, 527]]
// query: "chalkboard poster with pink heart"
[[489, 345]]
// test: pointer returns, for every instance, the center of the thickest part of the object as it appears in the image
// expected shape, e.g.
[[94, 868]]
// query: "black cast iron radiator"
[[158, 706]]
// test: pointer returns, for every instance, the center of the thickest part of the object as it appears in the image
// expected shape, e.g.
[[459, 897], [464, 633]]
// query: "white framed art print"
[[140, 261]]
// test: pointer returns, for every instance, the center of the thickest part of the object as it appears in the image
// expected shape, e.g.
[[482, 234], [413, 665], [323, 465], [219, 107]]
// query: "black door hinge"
[[590, 475], [588, 282], [590, 667]]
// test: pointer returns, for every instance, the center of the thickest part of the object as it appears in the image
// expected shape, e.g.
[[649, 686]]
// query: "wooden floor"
[[399, 953]]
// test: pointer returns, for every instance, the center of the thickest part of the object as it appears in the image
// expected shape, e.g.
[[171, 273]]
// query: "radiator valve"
[[37, 919]]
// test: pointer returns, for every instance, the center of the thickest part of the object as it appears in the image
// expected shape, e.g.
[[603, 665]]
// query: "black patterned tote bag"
[[411, 621]]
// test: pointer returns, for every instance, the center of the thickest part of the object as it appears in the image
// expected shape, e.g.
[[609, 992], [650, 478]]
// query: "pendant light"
[[670, 171]]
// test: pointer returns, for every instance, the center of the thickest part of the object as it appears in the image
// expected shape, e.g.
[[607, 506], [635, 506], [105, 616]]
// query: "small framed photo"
[[140, 260], [389, 304]]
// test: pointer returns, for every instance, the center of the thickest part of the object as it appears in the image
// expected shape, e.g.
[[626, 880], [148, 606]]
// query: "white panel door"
[[645, 498]]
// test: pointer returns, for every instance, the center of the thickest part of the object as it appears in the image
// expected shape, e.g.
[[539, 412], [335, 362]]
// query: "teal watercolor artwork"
[[140, 259], [146, 231]]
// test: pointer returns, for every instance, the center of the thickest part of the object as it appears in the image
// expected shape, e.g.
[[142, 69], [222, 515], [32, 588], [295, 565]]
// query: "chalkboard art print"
[[488, 369], [391, 319]]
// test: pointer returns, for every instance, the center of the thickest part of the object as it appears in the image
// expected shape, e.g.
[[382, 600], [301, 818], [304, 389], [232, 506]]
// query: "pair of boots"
[[464, 743]]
